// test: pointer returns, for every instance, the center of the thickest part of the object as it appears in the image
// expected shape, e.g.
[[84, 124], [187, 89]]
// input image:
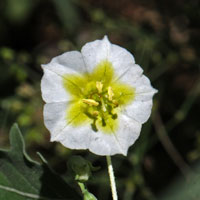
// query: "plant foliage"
[[22, 178]]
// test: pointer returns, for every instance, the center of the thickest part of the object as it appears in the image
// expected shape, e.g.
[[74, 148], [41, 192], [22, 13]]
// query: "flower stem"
[[82, 187], [112, 178]]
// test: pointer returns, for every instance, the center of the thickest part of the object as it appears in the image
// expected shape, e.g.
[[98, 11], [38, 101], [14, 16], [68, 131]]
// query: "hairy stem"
[[112, 178]]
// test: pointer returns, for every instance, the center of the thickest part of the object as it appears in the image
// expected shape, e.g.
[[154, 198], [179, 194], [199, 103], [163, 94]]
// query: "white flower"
[[97, 99]]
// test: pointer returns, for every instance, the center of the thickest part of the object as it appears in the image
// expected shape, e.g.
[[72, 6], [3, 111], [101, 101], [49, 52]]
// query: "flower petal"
[[140, 108], [75, 137], [72, 60], [131, 75], [52, 81], [63, 85], [54, 117], [141, 84], [83, 137], [116, 143], [56, 123], [144, 90], [97, 51]]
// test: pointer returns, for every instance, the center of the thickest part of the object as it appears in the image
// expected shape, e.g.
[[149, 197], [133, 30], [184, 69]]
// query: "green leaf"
[[22, 178]]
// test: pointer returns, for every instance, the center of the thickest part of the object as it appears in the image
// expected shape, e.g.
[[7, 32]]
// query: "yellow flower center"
[[97, 98]]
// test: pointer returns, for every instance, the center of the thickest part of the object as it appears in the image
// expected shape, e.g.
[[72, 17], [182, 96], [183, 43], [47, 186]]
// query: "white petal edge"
[[134, 77], [143, 89], [72, 60], [140, 108], [69, 136], [139, 111], [131, 75], [99, 50], [75, 137], [54, 117], [52, 81], [118, 142]]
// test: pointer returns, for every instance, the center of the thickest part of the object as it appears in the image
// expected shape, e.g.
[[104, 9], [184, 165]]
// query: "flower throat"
[[97, 98]]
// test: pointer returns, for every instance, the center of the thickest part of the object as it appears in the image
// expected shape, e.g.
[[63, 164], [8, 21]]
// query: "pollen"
[[90, 102]]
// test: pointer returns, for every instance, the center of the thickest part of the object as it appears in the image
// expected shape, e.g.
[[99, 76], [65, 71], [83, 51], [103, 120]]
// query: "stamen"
[[110, 93], [94, 127], [90, 102], [115, 103], [95, 113], [103, 122], [103, 105], [99, 86]]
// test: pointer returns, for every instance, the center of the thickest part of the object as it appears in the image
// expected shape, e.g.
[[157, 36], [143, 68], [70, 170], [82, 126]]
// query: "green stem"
[[112, 178], [82, 187]]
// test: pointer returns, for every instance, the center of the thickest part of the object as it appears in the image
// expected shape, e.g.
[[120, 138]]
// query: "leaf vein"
[[25, 194]]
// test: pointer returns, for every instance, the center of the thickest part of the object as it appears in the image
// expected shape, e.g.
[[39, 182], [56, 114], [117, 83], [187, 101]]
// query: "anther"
[[110, 93], [90, 102], [103, 105], [95, 113], [99, 86], [115, 103]]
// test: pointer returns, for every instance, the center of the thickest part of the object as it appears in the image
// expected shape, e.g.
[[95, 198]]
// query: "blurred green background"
[[164, 38]]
